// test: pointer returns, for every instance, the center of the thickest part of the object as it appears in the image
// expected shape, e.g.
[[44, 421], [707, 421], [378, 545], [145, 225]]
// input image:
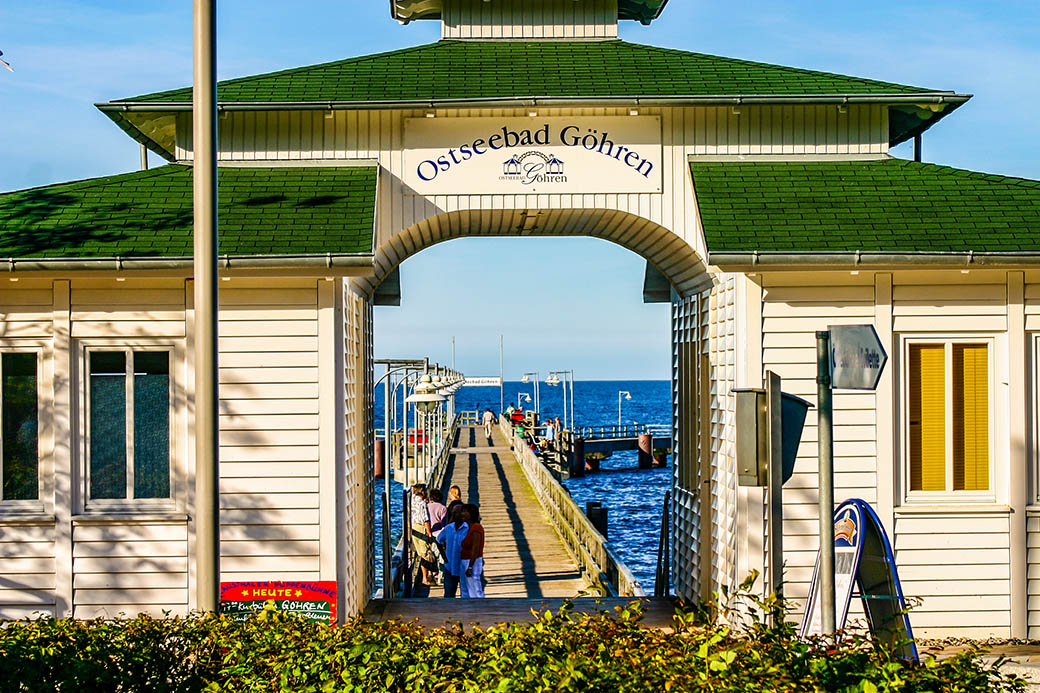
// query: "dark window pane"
[[21, 457], [151, 424], [107, 424]]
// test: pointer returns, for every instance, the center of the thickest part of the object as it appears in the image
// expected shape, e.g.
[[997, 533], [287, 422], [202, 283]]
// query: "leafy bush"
[[561, 651]]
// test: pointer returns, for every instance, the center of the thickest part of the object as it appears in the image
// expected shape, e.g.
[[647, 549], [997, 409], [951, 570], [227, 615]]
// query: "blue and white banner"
[[465, 156]]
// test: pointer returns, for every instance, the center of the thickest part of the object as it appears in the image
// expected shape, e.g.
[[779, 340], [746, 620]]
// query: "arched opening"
[[670, 256]]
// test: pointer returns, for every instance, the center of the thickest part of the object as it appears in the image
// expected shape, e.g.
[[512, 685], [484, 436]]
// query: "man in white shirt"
[[450, 539], [489, 420]]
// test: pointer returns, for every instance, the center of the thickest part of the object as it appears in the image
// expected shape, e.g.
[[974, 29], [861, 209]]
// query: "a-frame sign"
[[863, 556]]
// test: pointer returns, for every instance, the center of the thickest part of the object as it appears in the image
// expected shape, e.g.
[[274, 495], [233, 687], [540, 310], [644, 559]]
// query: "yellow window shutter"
[[970, 417], [927, 417]]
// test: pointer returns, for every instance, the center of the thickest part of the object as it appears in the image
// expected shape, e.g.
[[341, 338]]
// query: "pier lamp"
[[568, 378], [537, 399], [522, 397], [627, 395], [425, 397]]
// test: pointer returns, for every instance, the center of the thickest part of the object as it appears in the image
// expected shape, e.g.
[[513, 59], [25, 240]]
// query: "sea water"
[[633, 497]]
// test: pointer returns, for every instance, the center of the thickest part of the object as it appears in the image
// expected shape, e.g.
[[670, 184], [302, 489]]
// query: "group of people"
[[448, 539]]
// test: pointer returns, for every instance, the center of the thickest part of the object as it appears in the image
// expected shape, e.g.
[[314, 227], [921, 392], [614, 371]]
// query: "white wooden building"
[[763, 198]]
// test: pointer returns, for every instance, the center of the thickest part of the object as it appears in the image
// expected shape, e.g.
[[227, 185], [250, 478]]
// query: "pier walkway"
[[523, 556], [526, 566]]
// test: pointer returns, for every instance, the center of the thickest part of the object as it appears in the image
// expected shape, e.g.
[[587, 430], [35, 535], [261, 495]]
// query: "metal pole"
[[774, 424], [572, 401], [619, 410], [825, 436], [387, 442], [501, 374], [207, 426]]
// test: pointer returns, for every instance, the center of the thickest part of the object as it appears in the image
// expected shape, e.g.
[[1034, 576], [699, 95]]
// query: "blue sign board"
[[863, 555]]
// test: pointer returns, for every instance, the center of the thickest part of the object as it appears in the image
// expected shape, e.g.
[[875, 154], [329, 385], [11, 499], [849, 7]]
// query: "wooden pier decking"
[[523, 556], [526, 565]]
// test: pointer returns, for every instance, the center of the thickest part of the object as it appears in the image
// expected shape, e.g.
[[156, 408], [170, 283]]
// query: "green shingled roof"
[[148, 214], [461, 70], [886, 206]]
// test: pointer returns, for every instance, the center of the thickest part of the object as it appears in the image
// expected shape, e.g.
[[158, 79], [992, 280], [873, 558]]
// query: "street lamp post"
[[554, 380], [627, 395], [522, 397], [393, 366], [537, 399]]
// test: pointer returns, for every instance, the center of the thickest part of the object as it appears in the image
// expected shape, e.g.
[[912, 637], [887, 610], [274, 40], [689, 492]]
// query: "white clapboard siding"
[[118, 566], [942, 307], [1033, 571], [791, 314], [269, 429], [25, 309], [516, 19], [957, 566]]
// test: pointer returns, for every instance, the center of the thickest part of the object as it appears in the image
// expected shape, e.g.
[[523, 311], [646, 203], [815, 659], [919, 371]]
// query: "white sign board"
[[483, 382], [857, 357], [462, 156]]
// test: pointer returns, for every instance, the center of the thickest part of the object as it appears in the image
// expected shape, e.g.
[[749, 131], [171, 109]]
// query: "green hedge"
[[559, 652]]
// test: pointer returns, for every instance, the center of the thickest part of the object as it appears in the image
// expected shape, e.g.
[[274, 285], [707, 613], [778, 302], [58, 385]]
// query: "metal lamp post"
[[537, 400], [554, 380], [627, 395], [522, 397]]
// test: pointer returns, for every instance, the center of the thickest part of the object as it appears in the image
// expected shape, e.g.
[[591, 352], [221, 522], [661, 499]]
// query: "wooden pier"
[[534, 558]]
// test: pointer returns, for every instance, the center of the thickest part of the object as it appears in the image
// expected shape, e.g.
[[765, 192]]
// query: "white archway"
[[670, 253]]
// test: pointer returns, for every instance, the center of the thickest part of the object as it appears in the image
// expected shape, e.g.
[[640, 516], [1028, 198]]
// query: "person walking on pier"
[[454, 498], [422, 534], [472, 554], [438, 512], [489, 420], [450, 539]]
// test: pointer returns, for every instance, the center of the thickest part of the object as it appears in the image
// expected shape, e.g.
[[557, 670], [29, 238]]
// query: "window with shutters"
[[948, 416]]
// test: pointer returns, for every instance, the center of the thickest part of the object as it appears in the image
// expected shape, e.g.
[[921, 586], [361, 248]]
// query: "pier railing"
[[434, 480], [629, 430], [586, 545]]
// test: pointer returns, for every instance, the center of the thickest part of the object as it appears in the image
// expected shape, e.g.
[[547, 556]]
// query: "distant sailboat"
[[5, 63]]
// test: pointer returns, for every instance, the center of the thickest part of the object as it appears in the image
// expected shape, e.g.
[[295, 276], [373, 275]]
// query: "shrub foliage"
[[561, 651]]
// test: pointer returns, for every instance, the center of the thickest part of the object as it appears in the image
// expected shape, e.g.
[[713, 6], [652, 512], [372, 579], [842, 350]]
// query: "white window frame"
[[949, 496], [122, 505], [1033, 397], [44, 464]]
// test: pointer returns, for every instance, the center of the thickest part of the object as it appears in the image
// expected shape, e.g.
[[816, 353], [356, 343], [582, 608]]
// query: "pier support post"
[[646, 451], [379, 451], [578, 458], [597, 515]]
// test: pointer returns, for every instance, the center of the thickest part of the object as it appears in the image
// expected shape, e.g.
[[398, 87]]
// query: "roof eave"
[[941, 97], [115, 109], [327, 261], [757, 261]]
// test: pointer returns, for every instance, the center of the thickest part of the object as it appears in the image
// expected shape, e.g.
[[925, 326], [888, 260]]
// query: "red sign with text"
[[313, 600]]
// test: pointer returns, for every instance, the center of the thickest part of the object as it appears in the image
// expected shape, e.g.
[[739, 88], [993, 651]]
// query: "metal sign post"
[[848, 357], [825, 454], [775, 482], [207, 426]]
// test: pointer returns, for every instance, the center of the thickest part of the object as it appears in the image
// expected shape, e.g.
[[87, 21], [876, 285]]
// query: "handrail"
[[433, 481], [586, 545], [623, 431]]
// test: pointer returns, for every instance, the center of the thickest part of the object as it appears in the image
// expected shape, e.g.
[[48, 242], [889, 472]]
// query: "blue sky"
[[561, 303]]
